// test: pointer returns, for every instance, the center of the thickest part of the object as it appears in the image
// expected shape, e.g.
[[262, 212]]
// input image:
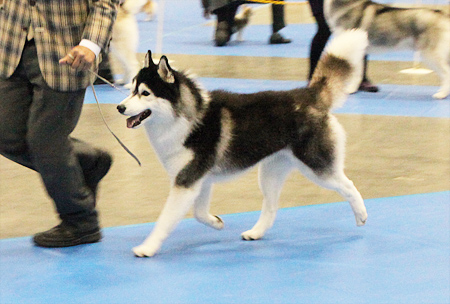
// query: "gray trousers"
[[277, 17], [35, 124]]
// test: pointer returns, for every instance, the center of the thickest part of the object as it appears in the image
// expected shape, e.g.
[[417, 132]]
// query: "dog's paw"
[[128, 85], [440, 95], [143, 251], [251, 235], [361, 219], [212, 221], [218, 223]]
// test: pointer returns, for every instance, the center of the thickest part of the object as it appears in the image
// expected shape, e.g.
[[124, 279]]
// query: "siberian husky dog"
[[125, 40], [422, 29], [203, 137]]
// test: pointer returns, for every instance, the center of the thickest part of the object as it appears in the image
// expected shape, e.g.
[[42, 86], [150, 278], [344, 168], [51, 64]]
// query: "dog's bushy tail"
[[340, 62]]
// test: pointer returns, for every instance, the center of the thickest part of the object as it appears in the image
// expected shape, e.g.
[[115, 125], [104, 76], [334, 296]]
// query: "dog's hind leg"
[[272, 174], [323, 163], [178, 203], [201, 208], [339, 182], [439, 60]]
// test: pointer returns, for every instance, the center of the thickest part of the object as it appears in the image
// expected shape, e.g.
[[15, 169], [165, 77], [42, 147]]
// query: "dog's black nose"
[[121, 108]]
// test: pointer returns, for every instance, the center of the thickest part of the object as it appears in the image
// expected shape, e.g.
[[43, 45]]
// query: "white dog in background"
[[125, 39]]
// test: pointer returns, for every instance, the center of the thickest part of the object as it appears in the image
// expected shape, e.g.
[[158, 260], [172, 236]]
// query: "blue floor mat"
[[313, 254]]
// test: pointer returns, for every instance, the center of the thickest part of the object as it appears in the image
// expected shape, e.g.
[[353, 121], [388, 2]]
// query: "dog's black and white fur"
[[206, 137], [390, 27]]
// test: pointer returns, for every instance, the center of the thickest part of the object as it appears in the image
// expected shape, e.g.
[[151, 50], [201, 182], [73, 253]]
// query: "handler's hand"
[[80, 58]]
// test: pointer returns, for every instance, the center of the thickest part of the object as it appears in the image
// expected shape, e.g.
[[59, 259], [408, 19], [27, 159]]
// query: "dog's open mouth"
[[136, 120]]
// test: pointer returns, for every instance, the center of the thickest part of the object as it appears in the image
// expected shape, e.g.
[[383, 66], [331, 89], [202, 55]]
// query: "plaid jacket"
[[58, 25]]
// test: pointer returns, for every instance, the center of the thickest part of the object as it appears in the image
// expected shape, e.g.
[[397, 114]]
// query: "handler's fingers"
[[68, 59]]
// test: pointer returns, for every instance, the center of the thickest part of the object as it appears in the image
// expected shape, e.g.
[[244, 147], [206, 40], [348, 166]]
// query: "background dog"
[[125, 39], [206, 137], [391, 27]]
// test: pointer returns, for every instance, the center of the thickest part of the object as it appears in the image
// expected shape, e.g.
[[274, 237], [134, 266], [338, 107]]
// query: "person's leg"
[[35, 129], [14, 104], [321, 38], [366, 85], [277, 17], [278, 24]]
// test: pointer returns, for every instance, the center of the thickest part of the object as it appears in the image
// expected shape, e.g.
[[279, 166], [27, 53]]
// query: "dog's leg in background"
[[272, 174], [439, 60], [201, 208], [125, 42], [178, 203], [356, 77], [132, 68], [121, 64], [126, 56]]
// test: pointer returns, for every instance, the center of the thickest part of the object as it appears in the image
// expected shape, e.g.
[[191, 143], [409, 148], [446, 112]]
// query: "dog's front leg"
[[178, 203], [201, 209]]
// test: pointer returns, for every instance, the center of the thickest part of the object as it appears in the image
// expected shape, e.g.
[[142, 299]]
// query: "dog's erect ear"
[[165, 71], [148, 59]]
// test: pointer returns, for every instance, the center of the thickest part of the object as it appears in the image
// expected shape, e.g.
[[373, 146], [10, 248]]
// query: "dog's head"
[[154, 94]]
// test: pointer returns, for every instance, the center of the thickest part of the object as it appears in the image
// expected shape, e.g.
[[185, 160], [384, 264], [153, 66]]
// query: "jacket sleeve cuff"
[[91, 45]]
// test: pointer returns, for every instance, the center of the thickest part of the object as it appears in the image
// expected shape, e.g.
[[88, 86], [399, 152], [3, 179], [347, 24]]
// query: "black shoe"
[[367, 86], [66, 235], [95, 175], [276, 38], [222, 35]]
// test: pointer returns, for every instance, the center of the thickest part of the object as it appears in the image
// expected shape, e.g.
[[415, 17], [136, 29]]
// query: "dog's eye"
[[145, 93]]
